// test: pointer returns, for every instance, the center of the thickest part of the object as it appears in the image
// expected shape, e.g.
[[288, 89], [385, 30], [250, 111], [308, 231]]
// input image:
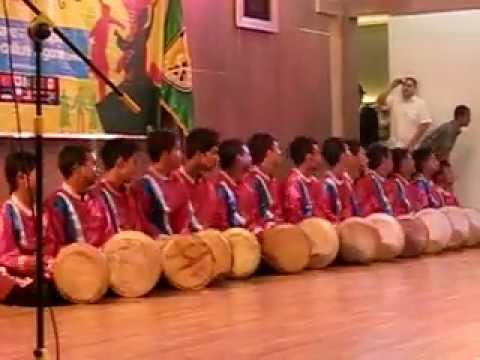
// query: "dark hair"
[[259, 144], [354, 146], [18, 163], [461, 110], [300, 147], [332, 150], [444, 164], [412, 79], [376, 153], [159, 142], [117, 149], [228, 152], [70, 157], [420, 156], [398, 155], [200, 140]]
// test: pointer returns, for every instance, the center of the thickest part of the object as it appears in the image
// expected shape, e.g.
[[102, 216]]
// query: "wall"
[[247, 81], [361, 7], [447, 68], [372, 57]]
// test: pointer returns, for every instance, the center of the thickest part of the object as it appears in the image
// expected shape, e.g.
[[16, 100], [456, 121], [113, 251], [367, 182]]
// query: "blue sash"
[[235, 219]]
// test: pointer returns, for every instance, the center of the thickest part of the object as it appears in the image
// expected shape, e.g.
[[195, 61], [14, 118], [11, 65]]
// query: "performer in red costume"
[[444, 184], [371, 189], [266, 159], [163, 198], [74, 213], [335, 193], [236, 202], [198, 175], [301, 186], [426, 165], [356, 166], [18, 237], [122, 211], [400, 189]]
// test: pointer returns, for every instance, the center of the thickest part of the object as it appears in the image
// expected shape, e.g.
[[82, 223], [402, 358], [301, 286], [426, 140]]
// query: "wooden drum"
[[416, 235], [188, 262], [134, 260], [221, 251], [439, 230], [473, 217], [460, 226], [286, 248], [323, 240], [245, 250], [81, 274], [359, 240], [392, 237]]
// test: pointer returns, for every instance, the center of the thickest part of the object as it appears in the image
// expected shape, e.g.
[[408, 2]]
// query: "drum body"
[[324, 242], [221, 251], [392, 237], [286, 248], [80, 272], [246, 252], [359, 240], [473, 217], [416, 235], [134, 260], [460, 226], [439, 230]]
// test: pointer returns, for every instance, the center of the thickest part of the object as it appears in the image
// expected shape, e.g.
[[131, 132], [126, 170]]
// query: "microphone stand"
[[39, 30]]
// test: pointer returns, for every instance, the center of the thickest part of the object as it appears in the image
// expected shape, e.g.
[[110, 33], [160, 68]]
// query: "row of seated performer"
[[206, 184]]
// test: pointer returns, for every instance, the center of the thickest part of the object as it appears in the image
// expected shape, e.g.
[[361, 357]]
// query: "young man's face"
[[210, 159], [175, 157], [128, 168], [465, 119], [408, 166], [244, 160], [27, 181], [315, 157], [409, 89], [88, 171], [387, 164], [274, 155], [431, 165]]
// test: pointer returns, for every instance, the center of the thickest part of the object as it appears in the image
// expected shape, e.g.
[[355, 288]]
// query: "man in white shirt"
[[408, 113]]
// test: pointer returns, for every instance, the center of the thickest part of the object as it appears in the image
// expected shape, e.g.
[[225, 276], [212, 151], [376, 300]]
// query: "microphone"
[[40, 28]]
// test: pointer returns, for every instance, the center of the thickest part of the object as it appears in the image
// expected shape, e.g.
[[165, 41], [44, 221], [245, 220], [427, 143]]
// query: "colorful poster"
[[140, 45]]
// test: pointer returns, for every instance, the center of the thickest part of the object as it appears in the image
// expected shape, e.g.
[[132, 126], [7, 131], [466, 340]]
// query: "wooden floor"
[[426, 308]]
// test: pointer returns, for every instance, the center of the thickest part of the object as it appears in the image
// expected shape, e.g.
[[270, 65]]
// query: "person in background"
[[371, 189], [266, 160], [369, 125], [426, 165], [121, 208], [408, 113], [400, 187], [335, 192], [73, 212], [443, 139], [444, 180], [301, 186], [163, 198], [201, 152], [18, 237], [236, 200]]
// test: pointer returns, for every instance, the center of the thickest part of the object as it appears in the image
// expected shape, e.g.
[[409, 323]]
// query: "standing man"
[[408, 113], [443, 139]]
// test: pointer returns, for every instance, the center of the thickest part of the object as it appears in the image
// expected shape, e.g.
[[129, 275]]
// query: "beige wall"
[[361, 7], [247, 81]]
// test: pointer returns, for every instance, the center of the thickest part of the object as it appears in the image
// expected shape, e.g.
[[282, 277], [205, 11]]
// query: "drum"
[[188, 262], [392, 237], [359, 240], [460, 226], [439, 230], [246, 252], [286, 248], [473, 217], [81, 274], [416, 235], [220, 249], [134, 260], [323, 240]]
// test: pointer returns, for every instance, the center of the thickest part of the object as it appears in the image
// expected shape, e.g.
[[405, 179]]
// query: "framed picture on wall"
[[262, 15]]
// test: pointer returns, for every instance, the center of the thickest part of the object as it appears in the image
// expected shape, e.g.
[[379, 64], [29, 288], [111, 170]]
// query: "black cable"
[[21, 148]]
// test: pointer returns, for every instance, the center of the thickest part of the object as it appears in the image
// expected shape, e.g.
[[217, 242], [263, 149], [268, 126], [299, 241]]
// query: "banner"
[[140, 44]]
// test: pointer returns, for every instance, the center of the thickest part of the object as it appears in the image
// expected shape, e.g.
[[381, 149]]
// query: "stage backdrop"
[[140, 44]]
